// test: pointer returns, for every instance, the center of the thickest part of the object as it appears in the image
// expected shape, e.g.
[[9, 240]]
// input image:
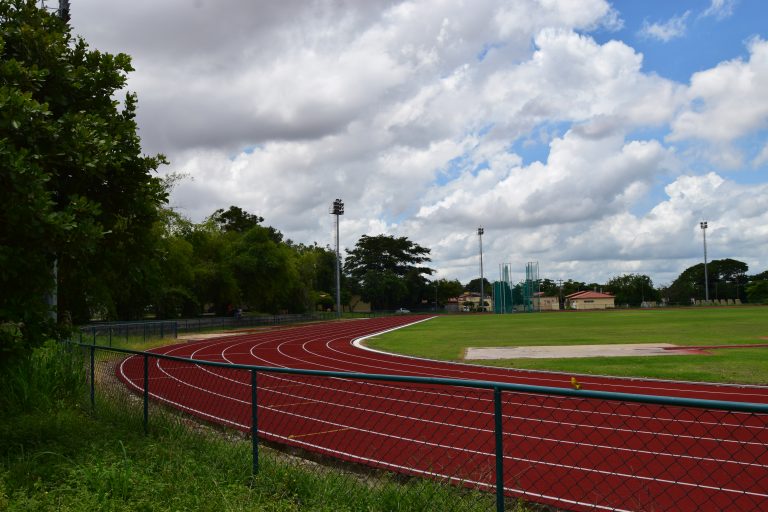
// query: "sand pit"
[[543, 352]]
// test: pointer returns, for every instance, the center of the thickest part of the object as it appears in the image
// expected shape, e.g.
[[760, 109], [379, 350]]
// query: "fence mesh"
[[434, 446]]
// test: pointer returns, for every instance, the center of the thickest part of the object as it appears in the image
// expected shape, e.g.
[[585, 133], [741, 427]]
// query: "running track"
[[569, 452]]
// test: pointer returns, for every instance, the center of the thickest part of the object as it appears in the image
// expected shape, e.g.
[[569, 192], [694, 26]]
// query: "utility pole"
[[480, 232], [337, 209]]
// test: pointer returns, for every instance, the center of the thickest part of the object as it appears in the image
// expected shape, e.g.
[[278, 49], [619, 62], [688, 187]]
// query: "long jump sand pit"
[[568, 351]]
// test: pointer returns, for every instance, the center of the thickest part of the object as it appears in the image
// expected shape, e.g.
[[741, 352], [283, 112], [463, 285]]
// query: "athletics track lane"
[[573, 453]]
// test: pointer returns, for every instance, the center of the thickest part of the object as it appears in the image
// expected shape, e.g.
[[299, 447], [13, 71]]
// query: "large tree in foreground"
[[77, 197], [387, 271]]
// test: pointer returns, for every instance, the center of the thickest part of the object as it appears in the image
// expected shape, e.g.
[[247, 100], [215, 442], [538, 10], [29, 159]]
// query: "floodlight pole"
[[480, 232], [62, 11], [337, 209], [703, 226]]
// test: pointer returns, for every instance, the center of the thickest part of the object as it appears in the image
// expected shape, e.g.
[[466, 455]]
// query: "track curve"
[[572, 453]]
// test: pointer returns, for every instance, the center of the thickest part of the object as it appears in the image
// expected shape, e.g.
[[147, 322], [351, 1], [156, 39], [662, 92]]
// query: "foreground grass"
[[448, 337], [67, 460], [57, 455]]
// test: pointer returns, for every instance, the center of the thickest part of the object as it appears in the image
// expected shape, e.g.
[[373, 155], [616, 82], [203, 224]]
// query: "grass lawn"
[[447, 337]]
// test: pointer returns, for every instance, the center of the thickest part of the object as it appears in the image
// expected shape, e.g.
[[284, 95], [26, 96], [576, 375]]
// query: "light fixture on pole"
[[337, 209], [480, 232], [703, 226]]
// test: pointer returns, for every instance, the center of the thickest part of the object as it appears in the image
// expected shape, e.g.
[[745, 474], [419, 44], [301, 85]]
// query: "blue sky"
[[706, 41], [430, 118]]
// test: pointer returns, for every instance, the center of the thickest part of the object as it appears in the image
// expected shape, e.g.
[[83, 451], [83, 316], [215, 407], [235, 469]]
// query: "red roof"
[[589, 295]]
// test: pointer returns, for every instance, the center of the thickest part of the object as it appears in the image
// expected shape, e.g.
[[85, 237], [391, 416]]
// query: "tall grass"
[[51, 374]]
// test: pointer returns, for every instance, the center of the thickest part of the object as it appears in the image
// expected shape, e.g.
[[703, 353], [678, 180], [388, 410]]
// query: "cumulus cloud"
[[419, 115], [727, 101]]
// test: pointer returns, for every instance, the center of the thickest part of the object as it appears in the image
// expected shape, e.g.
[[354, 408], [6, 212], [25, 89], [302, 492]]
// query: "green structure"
[[502, 291], [531, 286]]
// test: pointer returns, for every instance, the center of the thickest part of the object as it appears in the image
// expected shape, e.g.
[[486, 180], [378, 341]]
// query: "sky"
[[589, 136]]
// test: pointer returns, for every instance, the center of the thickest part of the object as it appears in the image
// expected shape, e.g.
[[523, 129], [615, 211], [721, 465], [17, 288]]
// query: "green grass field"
[[447, 337]]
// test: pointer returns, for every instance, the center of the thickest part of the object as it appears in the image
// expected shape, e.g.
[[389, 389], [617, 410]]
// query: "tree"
[[235, 219], [726, 279], [174, 296], [474, 286], [447, 289], [633, 289], [78, 199], [757, 291], [266, 272], [387, 272]]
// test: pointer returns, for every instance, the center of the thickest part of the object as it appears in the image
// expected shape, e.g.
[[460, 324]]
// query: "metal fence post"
[[254, 425], [146, 394], [93, 374], [110, 336], [499, 449]]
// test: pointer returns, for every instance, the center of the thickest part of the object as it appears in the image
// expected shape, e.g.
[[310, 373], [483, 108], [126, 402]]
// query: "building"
[[541, 302], [589, 300], [470, 301]]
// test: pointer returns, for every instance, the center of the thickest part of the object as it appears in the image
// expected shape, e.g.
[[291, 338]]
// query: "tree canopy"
[[632, 289], [387, 271], [726, 279], [79, 200]]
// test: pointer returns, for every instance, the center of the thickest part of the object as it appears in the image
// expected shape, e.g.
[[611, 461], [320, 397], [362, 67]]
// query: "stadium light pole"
[[337, 209], [480, 232], [703, 226]]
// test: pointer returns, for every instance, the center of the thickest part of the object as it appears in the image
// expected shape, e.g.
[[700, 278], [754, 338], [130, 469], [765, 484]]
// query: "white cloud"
[[673, 28], [728, 101], [720, 9], [421, 115]]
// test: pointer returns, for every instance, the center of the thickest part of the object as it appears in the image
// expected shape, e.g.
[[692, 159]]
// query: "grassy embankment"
[[56, 454], [447, 337]]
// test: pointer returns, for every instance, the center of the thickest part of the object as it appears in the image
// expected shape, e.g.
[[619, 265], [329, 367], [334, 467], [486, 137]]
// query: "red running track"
[[568, 452]]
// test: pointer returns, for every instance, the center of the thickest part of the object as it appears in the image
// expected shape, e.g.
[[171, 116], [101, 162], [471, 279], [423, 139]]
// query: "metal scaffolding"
[[502, 290], [531, 286]]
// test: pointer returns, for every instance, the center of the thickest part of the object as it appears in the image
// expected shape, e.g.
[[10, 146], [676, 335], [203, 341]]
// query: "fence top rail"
[[722, 405], [182, 321]]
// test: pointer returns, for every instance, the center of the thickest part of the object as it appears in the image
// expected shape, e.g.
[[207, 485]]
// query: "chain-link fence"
[[109, 333], [454, 444], [117, 333]]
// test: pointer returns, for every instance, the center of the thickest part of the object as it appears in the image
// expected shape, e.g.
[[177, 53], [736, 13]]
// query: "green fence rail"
[[525, 446]]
